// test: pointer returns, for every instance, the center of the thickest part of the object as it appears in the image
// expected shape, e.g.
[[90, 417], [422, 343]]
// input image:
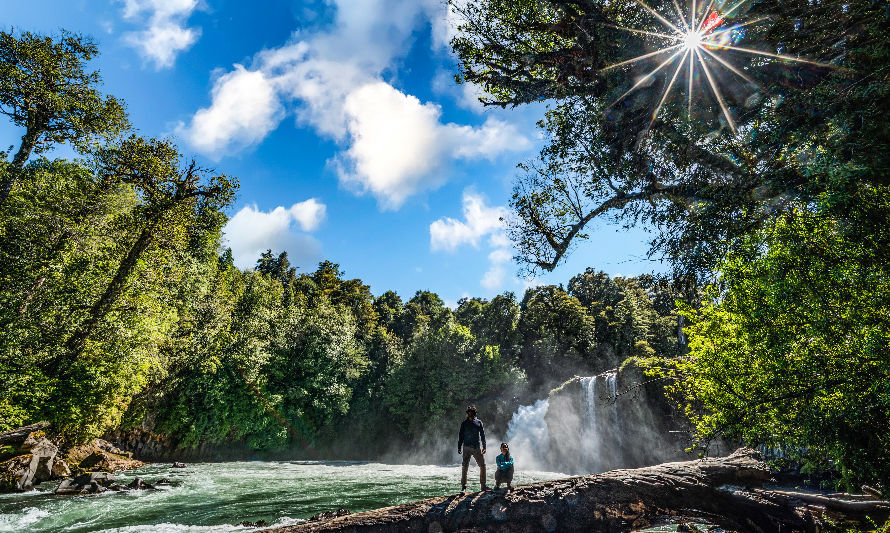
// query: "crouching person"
[[504, 473]]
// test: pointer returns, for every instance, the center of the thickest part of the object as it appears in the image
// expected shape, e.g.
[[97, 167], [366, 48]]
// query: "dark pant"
[[476, 454], [503, 476]]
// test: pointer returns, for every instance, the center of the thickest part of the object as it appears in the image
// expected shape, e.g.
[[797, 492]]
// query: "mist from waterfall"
[[528, 437], [582, 427]]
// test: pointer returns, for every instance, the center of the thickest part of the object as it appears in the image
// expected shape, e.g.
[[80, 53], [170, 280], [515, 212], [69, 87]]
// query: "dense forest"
[[119, 305]]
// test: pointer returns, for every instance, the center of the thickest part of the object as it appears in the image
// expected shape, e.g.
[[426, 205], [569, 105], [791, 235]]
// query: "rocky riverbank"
[[729, 492], [29, 456]]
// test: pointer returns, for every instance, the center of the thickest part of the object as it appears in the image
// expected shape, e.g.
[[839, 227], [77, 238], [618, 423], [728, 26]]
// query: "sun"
[[692, 40], [699, 42]]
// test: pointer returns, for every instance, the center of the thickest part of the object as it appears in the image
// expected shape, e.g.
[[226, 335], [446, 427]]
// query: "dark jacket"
[[471, 434]]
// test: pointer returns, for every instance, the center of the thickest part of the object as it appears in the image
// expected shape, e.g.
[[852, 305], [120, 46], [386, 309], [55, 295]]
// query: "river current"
[[217, 496]]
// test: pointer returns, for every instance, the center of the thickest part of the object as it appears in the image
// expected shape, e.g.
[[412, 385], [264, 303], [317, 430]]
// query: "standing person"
[[472, 440], [504, 473]]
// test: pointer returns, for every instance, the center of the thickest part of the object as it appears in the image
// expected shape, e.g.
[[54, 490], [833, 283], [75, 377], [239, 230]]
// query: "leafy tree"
[[798, 362], [558, 335], [443, 370], [279, 268], [702, 185], [45, 89]]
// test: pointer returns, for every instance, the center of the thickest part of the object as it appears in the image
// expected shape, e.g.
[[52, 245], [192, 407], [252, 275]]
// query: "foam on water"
[[216, 496]]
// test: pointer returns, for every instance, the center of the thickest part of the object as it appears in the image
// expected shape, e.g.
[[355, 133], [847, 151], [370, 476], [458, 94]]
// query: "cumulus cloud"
[[251, 232], [394, 145], [480, 221], [245, 109], [166, 35]]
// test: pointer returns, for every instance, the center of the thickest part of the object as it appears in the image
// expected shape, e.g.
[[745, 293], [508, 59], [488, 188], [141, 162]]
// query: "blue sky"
[[342, 121]]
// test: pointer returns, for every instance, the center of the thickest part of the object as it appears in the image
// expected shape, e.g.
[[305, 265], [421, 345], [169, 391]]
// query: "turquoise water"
[[216, 496]]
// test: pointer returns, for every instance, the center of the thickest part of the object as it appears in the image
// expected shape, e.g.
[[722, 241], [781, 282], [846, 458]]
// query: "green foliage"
[[443, 371], [797, 361], [45, 89]]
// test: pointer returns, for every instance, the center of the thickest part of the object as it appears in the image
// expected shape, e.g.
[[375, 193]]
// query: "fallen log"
[[725, 491]]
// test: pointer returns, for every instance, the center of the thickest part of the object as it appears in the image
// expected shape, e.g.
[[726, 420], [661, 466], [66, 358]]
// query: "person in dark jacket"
[[471, 443]]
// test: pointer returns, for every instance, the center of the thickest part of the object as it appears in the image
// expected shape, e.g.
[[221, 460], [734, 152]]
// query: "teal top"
[[503, 462]]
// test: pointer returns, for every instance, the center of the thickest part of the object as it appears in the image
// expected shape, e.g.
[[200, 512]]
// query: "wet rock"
[[103, 478], [89, 483], [178, 465], [327, 515], [117, 488], [139, 484], [68, 486], [163, 481], [260, 523]]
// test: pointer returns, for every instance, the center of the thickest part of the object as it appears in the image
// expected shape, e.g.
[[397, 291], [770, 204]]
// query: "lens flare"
[[702, 39]]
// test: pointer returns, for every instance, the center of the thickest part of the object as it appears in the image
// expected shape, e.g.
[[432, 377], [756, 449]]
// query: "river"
[[216, 496]]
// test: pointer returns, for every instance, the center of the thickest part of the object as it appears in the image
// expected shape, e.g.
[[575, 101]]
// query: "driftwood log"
[[727, 492]]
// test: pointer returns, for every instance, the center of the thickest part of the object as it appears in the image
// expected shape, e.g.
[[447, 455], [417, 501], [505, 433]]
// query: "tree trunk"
[[29, 141], [623, 500], [76, 342]]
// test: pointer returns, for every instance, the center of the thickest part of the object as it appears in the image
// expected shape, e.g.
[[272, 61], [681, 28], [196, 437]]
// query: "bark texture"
[[726, 491]]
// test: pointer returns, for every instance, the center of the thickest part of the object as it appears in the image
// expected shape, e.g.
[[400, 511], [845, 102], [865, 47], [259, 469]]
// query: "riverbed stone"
[[60, 469]]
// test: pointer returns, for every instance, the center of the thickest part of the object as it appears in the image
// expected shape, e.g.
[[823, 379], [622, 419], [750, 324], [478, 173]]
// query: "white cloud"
[[251, 232], [480, 220], [166, 35], [245, 109], [394, 145], [309, 214]]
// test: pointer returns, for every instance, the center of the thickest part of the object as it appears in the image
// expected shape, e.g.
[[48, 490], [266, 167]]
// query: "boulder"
[[60, 469], [17, 474], [178, 465], [103, 478], [34, 465], [68, 486], [139, 484], [89, 483], [97, 460]]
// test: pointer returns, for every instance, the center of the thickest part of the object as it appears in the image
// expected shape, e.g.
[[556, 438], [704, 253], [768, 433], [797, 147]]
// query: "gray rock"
[[21, 473]]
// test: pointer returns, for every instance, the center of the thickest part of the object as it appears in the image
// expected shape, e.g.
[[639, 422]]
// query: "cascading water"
[[583, 428], [600, 430]]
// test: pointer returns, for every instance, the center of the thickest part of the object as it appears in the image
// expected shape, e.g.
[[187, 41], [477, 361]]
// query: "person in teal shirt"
[[504, 473]]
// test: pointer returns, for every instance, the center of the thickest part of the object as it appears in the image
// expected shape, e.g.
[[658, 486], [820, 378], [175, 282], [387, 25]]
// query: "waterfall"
[[580, 432], [583, 428], [600, 431]]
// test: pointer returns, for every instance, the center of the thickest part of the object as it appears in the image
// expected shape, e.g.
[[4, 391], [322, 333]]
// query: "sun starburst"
[[695, 41]]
